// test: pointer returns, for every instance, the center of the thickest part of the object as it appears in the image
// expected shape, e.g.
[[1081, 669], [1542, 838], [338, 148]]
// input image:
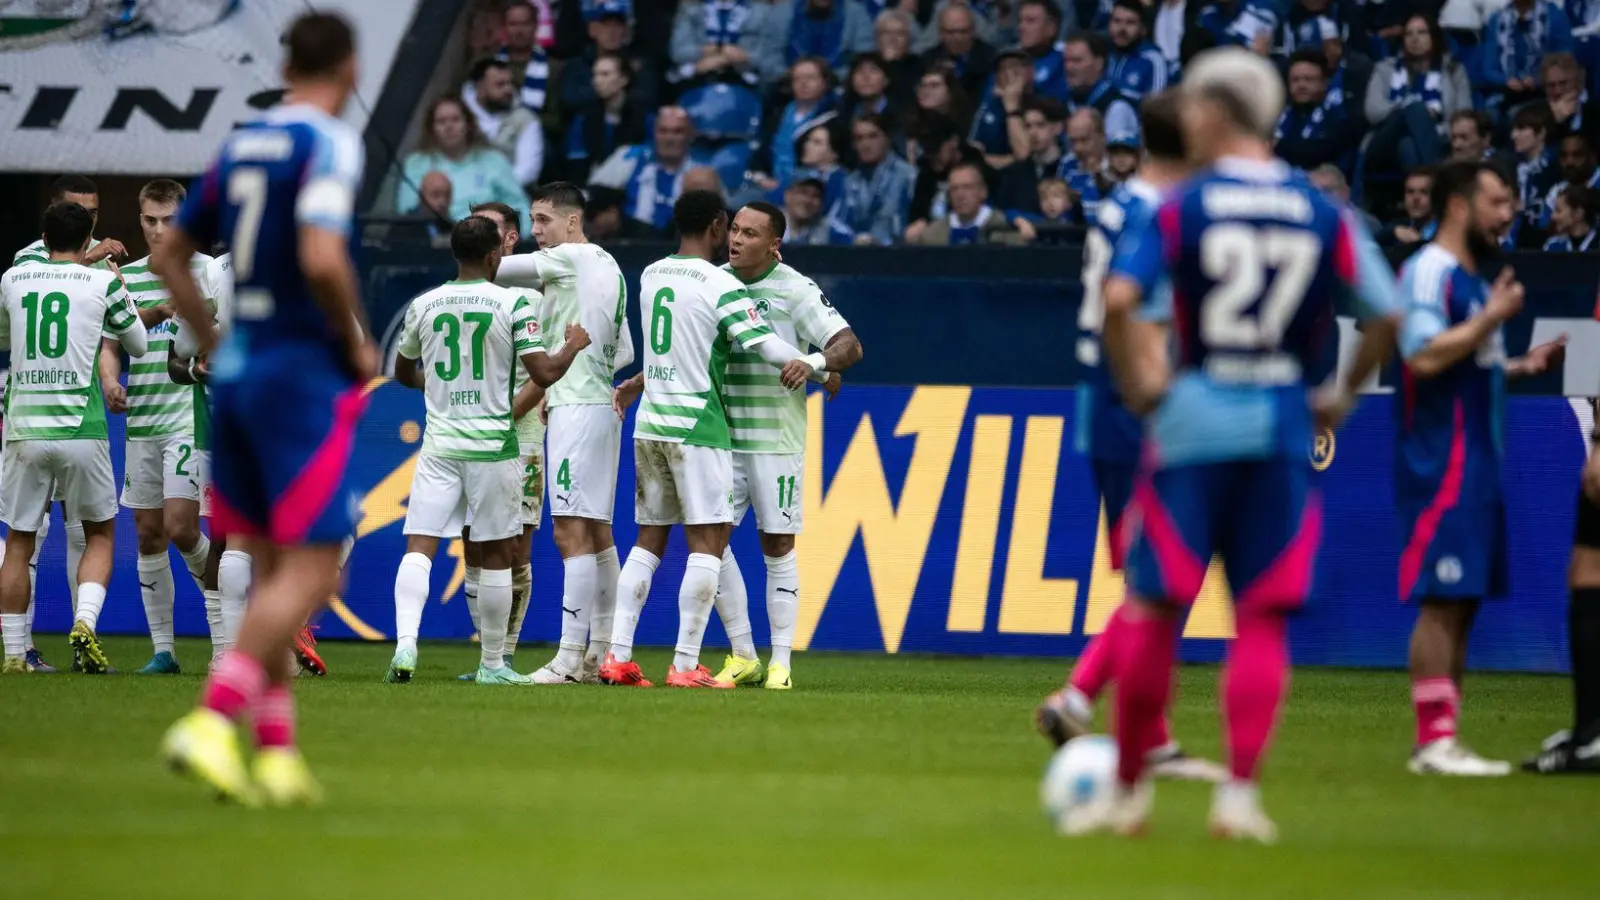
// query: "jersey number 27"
[[1238, 259]]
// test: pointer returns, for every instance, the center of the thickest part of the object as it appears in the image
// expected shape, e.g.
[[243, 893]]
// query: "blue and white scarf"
[[1514, 63], [1403, 88], [725, 21], [1308, 128], [535, 78], [961, 235]]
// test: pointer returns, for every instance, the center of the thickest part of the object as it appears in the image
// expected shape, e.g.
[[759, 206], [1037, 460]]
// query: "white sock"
[[214, 621], [470, 590], [76, 544], [195, 559], [783, 603], [633, 588], [601, 618], [521, 596], [733, 606], [233, 582], [155, 588], [577, 600], [410, 595], [494, 608], [696, 597], [11, 627], [91, 599]]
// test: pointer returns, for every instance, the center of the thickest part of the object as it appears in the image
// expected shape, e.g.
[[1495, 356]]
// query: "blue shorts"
[[1114, 483], [1454, 552], [281, 444], [1261, 516]]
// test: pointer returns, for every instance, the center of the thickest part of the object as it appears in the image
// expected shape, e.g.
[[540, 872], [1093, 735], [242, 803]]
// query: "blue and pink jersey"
[[286, 402]]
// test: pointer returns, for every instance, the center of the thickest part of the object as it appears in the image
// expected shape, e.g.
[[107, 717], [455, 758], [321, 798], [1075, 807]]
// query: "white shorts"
[[445, 491], [583, 442], [161, 469], [681, 484], [34, 470], [771, 483], [532, 462]]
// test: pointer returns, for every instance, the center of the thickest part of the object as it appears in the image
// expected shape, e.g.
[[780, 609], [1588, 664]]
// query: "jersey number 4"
[[1237, 258]]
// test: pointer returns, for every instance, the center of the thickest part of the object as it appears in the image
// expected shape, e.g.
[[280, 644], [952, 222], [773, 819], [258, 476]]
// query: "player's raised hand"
[[1331, 404], [1545, 356], [577, 336], [107, 248], [1505, 297]]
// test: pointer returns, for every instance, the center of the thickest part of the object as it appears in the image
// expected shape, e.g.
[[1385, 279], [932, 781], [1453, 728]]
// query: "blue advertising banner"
[[953, 519]]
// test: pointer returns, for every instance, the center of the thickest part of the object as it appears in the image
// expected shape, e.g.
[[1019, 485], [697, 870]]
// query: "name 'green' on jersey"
[[52, 318], [763, 415], [694, 313], [579, 283], [157, 405], [467, 336]]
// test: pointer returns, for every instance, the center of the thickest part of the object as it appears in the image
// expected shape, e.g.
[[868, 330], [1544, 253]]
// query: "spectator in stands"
[[1312, 131], [1417, 222], [704, 178], [1085, 170], [1135, 65], [1329, 180], [434, 210], [612, 119], [821, 156], [1242, 23], [939, 96], [892, 39], [651, 176], [603, 220], [1564, 90], [530, 68], [1123, 155], [1171, 21], [1470, 135], [1578, 167], [1038, 26], [971, 220], [1088, 86], [811, 85], [452, 143], [866, 90], [1054, 220], [877, 192], [988, 22], [741, 40], [1412, 96], [608, 34], [1535, 164], [1572, 221], [1464, 20], [1044, 118], [802, 205], [510, 127], [1513, 42], [942, 150], [971, 59], [832, 30], [997, 128]]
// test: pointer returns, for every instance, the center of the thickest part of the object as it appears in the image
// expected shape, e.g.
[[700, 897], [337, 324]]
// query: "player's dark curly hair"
[[696, 211], [474, 238], [66, 226]]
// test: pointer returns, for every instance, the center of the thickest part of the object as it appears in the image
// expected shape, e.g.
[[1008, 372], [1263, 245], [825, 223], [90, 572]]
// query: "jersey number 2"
[[1237, 258]]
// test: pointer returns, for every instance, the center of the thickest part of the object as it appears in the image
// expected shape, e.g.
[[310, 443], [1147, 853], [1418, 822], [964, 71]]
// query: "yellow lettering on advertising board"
[[980, 523], [1031, 603]]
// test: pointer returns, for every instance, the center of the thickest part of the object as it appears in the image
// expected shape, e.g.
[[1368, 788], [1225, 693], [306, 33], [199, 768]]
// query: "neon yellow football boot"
[[205, 745], [778, 678], [283, 779], [737, 670]]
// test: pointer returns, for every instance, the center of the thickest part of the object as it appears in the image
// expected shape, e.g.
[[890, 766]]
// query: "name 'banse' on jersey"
[[1258, 260], [1106, 430], [1450, 426], [295, 166]]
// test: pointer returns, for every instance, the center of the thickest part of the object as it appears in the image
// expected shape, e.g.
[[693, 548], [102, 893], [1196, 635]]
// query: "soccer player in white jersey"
[[767, 423], [581, 284], [682, 450], [82, 191], [53, 314], [460, 345], [162, 482]]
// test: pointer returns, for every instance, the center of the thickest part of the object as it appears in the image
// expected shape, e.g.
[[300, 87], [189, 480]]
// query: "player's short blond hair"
[[163, 190], [1243, 83]]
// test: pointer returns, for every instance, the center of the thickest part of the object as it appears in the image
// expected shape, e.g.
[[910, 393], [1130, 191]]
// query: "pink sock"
[[235, 682], [1438, 705], [1095, 668], [1254, 681], [273, 717], [1144, 656]]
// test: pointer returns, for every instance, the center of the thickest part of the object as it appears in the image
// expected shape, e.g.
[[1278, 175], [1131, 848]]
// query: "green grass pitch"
[[878, 777]]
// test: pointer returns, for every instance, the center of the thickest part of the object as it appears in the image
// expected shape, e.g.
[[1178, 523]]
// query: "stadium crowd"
[[946, 122]]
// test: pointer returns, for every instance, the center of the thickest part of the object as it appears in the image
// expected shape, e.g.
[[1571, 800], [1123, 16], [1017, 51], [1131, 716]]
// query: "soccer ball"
[[1081, 773]]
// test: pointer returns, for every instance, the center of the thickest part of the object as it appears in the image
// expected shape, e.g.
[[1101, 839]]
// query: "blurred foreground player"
[[1258, 259], [1110, 435], [287, 389], [1449, 444]]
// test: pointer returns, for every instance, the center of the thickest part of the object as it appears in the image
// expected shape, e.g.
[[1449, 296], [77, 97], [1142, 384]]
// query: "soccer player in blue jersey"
[[287, 392], [1110, 436], [1223, 368], [1449, 447]]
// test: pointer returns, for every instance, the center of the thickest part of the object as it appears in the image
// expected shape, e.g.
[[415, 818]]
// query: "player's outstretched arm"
[[170, 263], [1430, 350], [547, 368], [520, 270], [1539, 359]]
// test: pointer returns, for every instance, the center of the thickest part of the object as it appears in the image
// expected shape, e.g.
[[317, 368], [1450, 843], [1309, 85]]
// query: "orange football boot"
[[698, 677], [305, 650], [623, 673]]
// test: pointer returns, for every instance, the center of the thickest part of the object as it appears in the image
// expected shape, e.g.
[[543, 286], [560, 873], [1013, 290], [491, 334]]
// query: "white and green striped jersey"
[[52, 318], [694, 312], [468, 336], [38, 252], [580, 283], [216, 285], [157, 405], [530, 431], [765, 416]]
